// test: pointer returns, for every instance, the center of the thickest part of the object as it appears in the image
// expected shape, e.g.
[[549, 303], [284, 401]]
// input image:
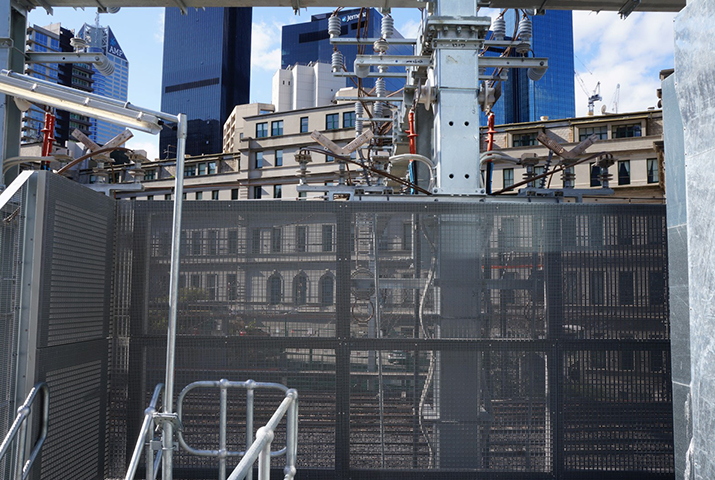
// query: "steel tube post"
[[222, 430], [21, 449], [168, 435], [264, 458], [249, 423]]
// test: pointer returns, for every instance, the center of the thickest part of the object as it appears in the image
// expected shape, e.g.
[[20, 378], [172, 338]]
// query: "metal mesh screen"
[[504, 338], [12, 222]]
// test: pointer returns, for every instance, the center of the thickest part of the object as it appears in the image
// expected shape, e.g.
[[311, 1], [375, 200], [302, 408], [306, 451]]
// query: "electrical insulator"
[[359, 114], [380, 87], [525, 29], [380, 45], [499, 28], [387, 27], [337, 61], [334, 26]]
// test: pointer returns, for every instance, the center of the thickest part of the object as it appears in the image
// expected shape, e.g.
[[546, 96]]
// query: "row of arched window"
[[326, 289]]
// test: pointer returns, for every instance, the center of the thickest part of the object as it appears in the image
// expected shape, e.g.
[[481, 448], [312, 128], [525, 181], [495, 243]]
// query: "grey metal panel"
[[694, 66]]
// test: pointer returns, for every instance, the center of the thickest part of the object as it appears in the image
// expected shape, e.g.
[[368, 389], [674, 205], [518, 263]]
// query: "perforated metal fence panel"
[[426, 340]]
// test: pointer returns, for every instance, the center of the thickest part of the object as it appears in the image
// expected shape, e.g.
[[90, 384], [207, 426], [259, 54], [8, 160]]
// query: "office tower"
[[55, 38], [524, 100], [309, 42], [206, 72], [101, 39]]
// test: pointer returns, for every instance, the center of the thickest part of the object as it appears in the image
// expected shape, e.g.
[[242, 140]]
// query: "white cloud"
[[146, 142], [628, 52], [266, 46], [159, 34], [410, 28]]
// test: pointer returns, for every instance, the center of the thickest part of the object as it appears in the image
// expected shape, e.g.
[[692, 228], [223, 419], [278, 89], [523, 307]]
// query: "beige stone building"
[[634, 140]]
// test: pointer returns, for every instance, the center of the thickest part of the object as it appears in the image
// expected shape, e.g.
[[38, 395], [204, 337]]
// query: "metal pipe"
[[143, 435], [250, 394], [168, 435], [222, 431], [264, 458]]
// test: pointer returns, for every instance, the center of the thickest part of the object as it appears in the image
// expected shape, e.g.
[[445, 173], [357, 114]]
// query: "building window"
[[626, 131], [326, 289], [407, 236], [211, 283], [508, 175], [213, 242], [257, 192], [595, 174], [277, 128], [571, 288], [524, 139], [199, 195], [332, 121], [256, 241], [601, 132], [300, 289], [214, 195], [262, 130], [231, 286], [150, 174], [624, 172], [327, 238], [279, 158], [303, 124], [277, 191], [652, 167], [196, 243], [190, 171], [301, 239], [626, 292], [596, 288], [275, 286], [656, 288], [348, 119], [276, 240], [234, 194], [537, 171], [302, 194], [259, 160], [212, 168], [232, 242], [202, 168], [150, 197], [167, 196]]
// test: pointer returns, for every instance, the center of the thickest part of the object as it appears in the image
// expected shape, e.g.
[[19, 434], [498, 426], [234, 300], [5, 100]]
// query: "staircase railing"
[[23, 463], [256, 449]]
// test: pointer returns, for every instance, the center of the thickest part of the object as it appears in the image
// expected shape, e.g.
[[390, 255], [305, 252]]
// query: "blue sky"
[[628, 52]]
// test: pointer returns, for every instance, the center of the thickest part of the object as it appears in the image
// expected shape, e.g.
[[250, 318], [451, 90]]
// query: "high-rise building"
[[524, 100], [55, 38], [309, 42], [101, 39], [206, 72]]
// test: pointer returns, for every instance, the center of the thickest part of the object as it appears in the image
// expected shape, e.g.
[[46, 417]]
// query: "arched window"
[[275, 287], [327, 287], [300, 289]]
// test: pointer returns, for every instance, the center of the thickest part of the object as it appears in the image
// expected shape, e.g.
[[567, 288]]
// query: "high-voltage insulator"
[[525, 29], [334, 27], [499, 28], [337, 61], [380, 45], [359, 115], [387, 27], [380, 87]]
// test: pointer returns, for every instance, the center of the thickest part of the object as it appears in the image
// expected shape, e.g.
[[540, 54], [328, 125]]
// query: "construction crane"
[[593, 97]]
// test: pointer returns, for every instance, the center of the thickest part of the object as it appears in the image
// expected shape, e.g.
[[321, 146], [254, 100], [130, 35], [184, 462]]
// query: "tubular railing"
[[145, 439], [256, 449], [260, 448], [23, 464]]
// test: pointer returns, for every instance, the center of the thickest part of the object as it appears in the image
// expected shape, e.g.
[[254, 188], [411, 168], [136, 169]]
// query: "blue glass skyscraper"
[[206, 72], [524, 100], [102, 39], [303, 43]]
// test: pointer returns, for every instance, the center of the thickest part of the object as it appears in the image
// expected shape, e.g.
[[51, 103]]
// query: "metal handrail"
[[264, 436], [23, 466], [144, 439]]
